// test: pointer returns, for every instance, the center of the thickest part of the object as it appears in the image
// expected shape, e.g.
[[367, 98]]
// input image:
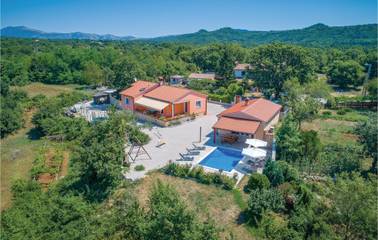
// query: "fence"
[[358, 105]]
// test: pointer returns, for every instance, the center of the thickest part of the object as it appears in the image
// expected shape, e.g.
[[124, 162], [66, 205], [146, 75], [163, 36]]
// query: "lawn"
[[221, 205], [332, 131], [17, 154], [48, 90]]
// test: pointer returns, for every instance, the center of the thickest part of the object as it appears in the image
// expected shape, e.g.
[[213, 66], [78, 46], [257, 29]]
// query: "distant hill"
[[25, 32], [315, 35], [318, 35]]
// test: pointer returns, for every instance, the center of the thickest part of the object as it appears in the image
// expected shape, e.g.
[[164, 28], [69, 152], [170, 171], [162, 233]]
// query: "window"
[[127, 101], [198, 104]]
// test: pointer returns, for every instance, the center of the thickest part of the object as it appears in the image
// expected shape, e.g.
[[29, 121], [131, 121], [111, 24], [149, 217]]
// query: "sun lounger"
[[160, 143], [198, 147], [192, 151], [186, 157]]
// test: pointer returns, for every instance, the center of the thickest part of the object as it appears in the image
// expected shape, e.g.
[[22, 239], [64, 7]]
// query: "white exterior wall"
[[272, 122]]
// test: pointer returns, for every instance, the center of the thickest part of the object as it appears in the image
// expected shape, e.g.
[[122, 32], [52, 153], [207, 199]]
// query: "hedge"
[[199, 175]]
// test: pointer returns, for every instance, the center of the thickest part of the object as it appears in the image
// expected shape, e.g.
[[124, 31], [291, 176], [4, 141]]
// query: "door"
[[186, 107]]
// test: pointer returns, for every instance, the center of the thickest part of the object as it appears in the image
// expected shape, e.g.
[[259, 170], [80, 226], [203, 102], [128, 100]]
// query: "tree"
[[11, 112], [344, 73], [354, 207], [276, 63], [372, 88], [257, 181], [126, 70], [367, 132], [262, 200], [302, 106], [311, 148], [101, 155], [168, 217], [288, 140], [337, 158], [93, 74]]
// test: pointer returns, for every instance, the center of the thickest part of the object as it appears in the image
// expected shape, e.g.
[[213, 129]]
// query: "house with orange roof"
[[157, 101], [247, 119]]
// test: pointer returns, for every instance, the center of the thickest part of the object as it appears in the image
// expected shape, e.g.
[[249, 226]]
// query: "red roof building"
[[162, 101], [248, 119]]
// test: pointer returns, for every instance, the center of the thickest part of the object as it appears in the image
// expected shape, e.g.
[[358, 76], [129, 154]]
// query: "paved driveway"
[[177, 139]]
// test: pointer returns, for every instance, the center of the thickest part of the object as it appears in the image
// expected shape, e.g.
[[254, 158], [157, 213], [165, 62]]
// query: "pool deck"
[[180, 138], [177, 139]]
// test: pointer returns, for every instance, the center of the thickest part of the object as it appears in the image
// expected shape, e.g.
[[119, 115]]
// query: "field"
[[222, 206], [332, 131], [336, 128], [48, 90], [20, 149]]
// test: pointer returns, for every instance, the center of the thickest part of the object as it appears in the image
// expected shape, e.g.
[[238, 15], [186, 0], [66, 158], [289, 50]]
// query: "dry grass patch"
[[332, 131], [49, 90], [204, 200]]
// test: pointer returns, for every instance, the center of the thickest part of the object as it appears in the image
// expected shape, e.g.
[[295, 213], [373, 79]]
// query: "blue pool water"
[[222, 158]]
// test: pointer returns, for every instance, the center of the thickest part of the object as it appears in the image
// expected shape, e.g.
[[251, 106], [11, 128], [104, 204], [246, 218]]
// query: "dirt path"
[[64, 166]]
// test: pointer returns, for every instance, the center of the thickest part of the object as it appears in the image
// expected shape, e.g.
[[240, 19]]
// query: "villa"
[[161, 103], [254, 118], [240, 70]]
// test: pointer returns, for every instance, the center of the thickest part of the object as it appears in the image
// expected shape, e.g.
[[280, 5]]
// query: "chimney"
[[246, 101], [161, 81], [237, 99]]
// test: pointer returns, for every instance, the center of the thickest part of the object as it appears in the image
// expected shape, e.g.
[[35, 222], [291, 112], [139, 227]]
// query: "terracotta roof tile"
[[170, 94], [256, 109], [139, 88], [237, 125]]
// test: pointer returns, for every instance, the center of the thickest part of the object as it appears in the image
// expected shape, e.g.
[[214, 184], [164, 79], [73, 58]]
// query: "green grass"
[[350, 115], [17, 154], [239, 199], [332, 131]]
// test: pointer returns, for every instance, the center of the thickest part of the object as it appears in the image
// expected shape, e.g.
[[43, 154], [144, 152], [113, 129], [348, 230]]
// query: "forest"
[[315, 190]]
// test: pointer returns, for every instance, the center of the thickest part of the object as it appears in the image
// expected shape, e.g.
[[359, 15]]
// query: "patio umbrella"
[[256, 142], [254, 152]]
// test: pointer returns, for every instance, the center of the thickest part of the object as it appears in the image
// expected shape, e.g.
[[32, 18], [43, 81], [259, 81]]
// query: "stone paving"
[[177, 139]]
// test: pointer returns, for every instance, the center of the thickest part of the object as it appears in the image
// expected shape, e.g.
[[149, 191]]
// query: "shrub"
[[279, 172], [327, 113], [199, 175], [174, 123], [139, 168], [261, 200], [257, 181], [341, 112], [177, 170]]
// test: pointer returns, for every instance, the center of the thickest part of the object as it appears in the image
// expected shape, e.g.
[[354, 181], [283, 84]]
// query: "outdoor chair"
[[192, 151], [186, 157], [198, 147]]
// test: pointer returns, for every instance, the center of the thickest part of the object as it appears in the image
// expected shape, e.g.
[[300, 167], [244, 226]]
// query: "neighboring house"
[[176, 79], [163, 102], [201, 76], [241, 69], [248, 119]]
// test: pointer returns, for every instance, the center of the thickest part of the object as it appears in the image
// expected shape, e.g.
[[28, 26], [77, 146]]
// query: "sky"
[[148, 18]]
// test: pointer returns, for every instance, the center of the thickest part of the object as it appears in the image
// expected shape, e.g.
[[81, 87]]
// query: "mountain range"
[[315, 35], [25, 32]]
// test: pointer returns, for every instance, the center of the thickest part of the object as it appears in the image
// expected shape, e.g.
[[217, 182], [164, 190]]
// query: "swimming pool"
[[222, 158]]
